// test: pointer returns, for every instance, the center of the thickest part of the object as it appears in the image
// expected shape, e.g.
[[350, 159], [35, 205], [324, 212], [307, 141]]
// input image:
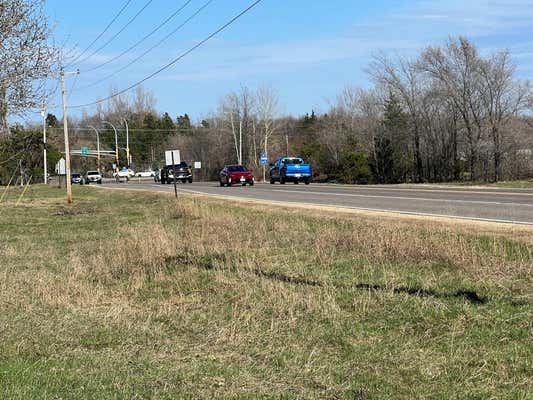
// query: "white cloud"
[[405, 31]]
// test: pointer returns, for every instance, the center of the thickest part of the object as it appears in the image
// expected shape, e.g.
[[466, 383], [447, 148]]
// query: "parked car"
[[145, 174], [290, 169], [76, 178], [182, 170], [92, 177], [236, 174]]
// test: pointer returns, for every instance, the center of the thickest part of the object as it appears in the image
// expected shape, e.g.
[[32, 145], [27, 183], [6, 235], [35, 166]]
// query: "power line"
[[101, 33], [198, 11], [175, 129], [166, 21], [72, 87], [165, 67], [118, 33]]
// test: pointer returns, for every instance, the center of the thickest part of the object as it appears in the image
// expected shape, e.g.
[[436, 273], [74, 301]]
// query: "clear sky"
[[306, 50]]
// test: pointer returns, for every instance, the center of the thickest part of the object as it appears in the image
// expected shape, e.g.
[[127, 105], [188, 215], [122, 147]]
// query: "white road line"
[[453, 189], [421, 214], [398, 197]]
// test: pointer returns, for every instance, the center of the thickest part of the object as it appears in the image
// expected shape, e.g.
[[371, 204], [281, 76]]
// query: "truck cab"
[[182, 170], [290, 169]]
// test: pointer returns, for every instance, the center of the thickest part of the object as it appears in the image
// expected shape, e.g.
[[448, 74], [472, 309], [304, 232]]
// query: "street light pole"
[[116, 141], [45, 167], [128, 160], [97, 146]]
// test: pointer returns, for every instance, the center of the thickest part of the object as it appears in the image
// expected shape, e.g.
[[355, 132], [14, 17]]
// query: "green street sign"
[[84, 151]]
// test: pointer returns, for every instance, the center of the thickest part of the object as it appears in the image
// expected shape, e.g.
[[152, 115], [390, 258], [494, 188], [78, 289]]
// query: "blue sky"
[[306, 50]]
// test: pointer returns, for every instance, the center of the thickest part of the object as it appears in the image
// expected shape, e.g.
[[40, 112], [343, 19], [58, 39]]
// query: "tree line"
[[447, 114]]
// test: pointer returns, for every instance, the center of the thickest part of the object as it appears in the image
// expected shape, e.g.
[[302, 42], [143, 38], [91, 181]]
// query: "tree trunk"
[[455, 154], [497, 154], [4, 129], [254, 145], [235, 142], [418, 158], [472, 150]]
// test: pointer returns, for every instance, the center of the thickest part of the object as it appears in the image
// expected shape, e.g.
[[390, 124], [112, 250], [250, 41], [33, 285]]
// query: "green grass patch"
[[133, 295]]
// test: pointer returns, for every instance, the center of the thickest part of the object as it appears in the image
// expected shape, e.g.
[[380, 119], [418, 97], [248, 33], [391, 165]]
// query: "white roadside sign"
[[168, 157], [61, 167]]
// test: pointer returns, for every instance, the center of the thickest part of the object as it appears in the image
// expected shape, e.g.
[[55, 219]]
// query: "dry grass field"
[[133, 296]]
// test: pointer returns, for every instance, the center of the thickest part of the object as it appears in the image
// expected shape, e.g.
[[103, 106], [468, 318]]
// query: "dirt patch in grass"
[[74, 210]]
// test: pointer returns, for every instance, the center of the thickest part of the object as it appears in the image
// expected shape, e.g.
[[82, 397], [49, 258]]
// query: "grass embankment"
[[132, 295], [524, 184], [514, 184]]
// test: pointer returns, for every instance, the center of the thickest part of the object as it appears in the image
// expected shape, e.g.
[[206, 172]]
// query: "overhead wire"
[[72, 86], [118, 33], [180, 57], [154, 31], [129, 130], [101, 33], [194, 15]]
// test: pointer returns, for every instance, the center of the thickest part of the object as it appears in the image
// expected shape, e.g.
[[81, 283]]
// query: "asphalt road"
[[497, 205]]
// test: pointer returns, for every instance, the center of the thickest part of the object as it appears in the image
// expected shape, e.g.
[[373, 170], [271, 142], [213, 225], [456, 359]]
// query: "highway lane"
[[491, 204]]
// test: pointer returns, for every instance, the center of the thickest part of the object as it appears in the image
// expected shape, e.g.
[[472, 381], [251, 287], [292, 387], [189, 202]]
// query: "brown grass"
[[213, 300]]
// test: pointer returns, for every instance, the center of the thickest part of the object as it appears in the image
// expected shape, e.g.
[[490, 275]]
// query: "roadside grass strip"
[[135, 295]]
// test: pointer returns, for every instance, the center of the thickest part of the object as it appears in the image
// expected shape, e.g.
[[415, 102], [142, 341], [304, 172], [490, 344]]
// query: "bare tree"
[[143, 101], [456, 67], [27, 57], [236, 109], [404, 79], [229, 110], [504, 97], [267, 103]]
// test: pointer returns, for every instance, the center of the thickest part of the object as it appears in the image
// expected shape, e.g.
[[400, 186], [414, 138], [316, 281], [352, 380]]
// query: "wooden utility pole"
[[65, 130], [45, 167], [174, 176]]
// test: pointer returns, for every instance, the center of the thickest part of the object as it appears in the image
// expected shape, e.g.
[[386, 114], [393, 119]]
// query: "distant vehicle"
[[123, 174], [235, 175], [145, 174], [157, 176], [92, 177], [290, 169], [76, 178], [182, 170]]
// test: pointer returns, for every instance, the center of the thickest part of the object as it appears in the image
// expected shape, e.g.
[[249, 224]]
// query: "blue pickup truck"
[[290, 169]]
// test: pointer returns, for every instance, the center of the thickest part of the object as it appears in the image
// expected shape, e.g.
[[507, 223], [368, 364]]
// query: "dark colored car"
[[182, 170], [290, 169], [236, 174], [76, 178]]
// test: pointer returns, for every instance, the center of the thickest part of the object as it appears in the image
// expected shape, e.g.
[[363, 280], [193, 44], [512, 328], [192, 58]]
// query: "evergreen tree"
[[184, 122], [392, 144], [150, 121], [22, 151], [51, 120], [167, 123], [354, 163]]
